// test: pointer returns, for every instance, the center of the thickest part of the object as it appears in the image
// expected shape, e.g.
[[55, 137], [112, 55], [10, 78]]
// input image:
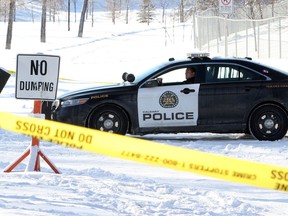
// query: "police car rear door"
[[228, 93]]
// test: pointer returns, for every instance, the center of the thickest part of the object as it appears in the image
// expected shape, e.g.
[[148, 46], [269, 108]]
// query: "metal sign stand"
[[34, 151]]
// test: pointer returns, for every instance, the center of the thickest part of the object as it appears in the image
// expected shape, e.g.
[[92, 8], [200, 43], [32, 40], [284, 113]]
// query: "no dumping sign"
[[37, 76]]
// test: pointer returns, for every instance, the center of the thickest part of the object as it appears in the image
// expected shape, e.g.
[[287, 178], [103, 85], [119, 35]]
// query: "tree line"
[[184, 10]]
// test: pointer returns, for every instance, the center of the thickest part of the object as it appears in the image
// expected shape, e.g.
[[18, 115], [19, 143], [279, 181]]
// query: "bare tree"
[[146, 12], [10, 24], [127, 11], [187, 8], [253, 8], [181, 10], [260, 6], [92, 11], [3, 10], [82, 19], [164, 4], [273, 2], [116, 5], [54, 6], [75, 9], [52, 9], [119, 6], [112, 6], [32, 13], [252, 14], [68, 8], [204, 5], [43, 21], [130, 4]]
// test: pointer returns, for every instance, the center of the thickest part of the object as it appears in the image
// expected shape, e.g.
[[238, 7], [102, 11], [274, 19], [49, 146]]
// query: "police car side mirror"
[[151, 83], [128, 77]]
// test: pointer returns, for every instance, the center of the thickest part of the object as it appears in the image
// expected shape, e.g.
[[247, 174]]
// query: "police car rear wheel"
[[110, 119], [268, 122]]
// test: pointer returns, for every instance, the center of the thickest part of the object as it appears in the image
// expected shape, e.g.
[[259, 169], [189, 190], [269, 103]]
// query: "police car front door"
[[168, 106]]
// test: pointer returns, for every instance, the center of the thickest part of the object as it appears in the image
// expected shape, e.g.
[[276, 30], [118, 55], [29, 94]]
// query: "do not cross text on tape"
[[148, 152]]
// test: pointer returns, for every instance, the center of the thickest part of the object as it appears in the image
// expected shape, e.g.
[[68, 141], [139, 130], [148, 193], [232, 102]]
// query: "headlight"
[[55, 104], [74, 102]]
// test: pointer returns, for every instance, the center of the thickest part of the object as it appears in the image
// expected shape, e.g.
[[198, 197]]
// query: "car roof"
[[272, 72], [266, 70]]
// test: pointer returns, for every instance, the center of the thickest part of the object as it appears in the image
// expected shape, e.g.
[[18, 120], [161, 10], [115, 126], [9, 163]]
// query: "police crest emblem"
[[168, 99]]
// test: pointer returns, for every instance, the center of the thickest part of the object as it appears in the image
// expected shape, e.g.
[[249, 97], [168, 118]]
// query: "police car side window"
[[229, 73], [250, 75], [210, 73], [173, 77]]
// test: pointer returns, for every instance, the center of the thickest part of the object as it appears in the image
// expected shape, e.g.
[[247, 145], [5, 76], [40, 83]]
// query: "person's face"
[[189, 73]]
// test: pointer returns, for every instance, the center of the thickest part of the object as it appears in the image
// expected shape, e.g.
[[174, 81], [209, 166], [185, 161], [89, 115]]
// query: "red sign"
[[226, 6]]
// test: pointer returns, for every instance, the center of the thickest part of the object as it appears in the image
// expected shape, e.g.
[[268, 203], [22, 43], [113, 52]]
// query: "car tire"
[[110, 119], [268, 122]]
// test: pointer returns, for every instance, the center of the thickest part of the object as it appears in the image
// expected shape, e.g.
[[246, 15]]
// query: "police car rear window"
[[230, 73]]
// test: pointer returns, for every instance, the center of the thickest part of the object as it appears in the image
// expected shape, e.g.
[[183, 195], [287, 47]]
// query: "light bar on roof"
[[198, 55]]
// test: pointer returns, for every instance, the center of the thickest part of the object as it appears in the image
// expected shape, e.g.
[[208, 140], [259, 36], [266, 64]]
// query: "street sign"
[[226, 6], [37, 76]]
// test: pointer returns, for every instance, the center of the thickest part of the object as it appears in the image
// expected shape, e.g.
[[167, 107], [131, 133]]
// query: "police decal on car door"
[[163, 106]]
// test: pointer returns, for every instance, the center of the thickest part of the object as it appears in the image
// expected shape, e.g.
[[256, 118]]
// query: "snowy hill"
[[92, 184]]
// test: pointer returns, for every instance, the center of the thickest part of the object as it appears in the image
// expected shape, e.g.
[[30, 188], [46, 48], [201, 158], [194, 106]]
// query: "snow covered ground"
[[91, 184]]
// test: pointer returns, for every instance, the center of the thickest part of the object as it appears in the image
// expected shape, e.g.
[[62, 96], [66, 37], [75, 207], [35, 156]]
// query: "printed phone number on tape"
[[276, 175], [188, 166]]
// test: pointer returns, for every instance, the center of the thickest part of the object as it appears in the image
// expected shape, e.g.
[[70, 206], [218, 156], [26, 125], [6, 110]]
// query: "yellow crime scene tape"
[[12, 71], [68, 79], [148, 152]]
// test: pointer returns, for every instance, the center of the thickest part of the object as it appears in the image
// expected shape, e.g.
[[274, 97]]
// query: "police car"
[[229, 95]]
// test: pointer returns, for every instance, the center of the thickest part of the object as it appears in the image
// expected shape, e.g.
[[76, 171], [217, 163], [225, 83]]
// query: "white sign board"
[[226, 6], [37, 76]]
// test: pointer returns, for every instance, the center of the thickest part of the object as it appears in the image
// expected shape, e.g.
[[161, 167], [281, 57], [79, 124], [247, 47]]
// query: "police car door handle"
[[187, 90]]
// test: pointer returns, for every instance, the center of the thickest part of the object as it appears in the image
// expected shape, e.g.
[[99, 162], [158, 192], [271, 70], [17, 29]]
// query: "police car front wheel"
[[268, 122], [110, 119]]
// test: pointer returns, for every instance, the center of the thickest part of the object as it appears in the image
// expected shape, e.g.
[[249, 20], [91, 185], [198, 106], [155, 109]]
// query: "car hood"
[[92, 90]]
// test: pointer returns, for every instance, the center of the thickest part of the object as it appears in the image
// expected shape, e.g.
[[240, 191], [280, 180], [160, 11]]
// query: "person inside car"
[[190, 75]]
